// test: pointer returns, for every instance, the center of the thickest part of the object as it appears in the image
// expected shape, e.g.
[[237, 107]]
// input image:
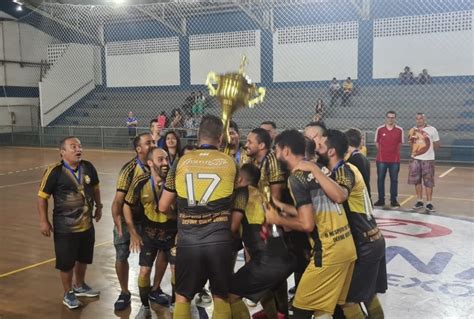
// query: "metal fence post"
[[102, 137], [41, 135]]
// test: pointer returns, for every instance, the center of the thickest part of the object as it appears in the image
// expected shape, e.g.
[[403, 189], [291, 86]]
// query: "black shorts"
[[370, 274], [72, 247], [197, 264], [264, 272], [150, 250]]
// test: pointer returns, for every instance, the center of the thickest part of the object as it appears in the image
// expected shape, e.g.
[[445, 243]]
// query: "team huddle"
[[295, 203]]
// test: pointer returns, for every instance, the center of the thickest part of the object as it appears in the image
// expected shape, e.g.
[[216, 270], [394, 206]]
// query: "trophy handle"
[[212, 78], [258, 99]]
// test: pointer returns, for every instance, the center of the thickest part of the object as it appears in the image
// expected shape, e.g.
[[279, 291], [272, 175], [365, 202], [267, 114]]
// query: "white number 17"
[[207, 194]]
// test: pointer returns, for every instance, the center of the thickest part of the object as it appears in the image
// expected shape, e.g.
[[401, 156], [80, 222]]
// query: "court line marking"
[[24, 170], [447, 172], [43, 262], [407, 200], [19, 184], [436, 197]]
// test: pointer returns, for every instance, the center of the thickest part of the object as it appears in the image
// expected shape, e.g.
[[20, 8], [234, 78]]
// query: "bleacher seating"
[[444, 105]]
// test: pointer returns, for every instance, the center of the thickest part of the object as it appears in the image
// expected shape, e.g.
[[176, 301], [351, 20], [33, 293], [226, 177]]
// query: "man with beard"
[[259, 151], [74, 185], [370, 273], [202, 182], [135, 167], [158, 230], [326, 279], [272, 179]]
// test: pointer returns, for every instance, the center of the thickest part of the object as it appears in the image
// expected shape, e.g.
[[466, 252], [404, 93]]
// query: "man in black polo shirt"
[[74, 185]]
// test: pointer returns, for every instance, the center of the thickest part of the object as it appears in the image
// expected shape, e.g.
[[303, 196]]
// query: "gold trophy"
[[267, 199], [234, 91]]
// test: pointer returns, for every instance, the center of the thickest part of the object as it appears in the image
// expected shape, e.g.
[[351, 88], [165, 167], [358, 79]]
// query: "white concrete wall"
[[222, 59], [443, 54], [68, 80], [21, 42]]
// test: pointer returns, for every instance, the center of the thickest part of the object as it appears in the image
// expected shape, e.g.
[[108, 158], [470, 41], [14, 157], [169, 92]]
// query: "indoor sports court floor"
[[430, 257]]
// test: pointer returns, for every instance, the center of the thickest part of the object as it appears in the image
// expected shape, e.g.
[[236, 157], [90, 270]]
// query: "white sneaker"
[[144, 313], [250, 303]]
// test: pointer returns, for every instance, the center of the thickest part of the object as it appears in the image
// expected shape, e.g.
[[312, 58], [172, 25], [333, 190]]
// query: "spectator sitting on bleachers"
[[424, 77], [334, 90], [347, 89], [406, 77], [318, 111], [189, 102], [198, 107], [191, 126]]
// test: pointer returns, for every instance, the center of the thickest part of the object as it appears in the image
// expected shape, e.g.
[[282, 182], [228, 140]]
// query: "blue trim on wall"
[[266, 57], [184, 62], [421, 7], [365, 52], [19, 91], [136, 31], [316, 13]]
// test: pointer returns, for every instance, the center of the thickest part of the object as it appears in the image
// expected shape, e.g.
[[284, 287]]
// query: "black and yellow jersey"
[[130, 170], [204, 182], [141, 192], [270, 171], [248, 201], [331, 238], [73, 194], [358, 207]]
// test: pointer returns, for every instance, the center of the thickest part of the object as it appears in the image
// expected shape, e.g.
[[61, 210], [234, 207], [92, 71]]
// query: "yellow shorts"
[[322, 288]]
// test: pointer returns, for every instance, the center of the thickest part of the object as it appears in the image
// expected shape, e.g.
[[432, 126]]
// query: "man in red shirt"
[[388, 138]]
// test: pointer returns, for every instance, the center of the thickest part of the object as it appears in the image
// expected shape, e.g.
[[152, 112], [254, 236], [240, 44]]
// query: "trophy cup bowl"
[[234, 91]]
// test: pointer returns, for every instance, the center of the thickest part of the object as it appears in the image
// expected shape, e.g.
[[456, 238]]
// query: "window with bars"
[[319, 33], [223, 40], [432, 23], [157, 45]]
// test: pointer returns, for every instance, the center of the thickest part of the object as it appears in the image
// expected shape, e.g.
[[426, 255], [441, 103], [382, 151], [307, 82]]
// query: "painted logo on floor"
[[430, 264]]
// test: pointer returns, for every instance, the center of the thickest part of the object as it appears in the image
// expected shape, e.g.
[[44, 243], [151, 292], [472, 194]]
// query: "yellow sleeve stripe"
[[47, 173], [43, 195]]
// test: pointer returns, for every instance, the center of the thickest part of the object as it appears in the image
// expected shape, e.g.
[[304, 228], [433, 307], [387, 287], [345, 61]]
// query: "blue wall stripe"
[[19, 91]]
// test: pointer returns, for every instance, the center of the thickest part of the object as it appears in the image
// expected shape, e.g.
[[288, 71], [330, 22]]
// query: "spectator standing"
[[406, 77], [334, 91], [356, 157], [156, 131], [424, 140], [162, 119], [388, 139], [347, 89], [177, 122], [74, 185], [172, 147], [424, 77], [132, 123]]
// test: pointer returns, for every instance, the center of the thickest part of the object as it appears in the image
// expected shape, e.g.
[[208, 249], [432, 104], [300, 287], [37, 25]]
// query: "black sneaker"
[[418, 205], [394, 204], [379, 203], [122, 302], [159, 297], [429, 208]]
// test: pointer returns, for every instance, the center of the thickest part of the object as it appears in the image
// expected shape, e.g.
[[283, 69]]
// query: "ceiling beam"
[[161, 20], [264, 25]]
